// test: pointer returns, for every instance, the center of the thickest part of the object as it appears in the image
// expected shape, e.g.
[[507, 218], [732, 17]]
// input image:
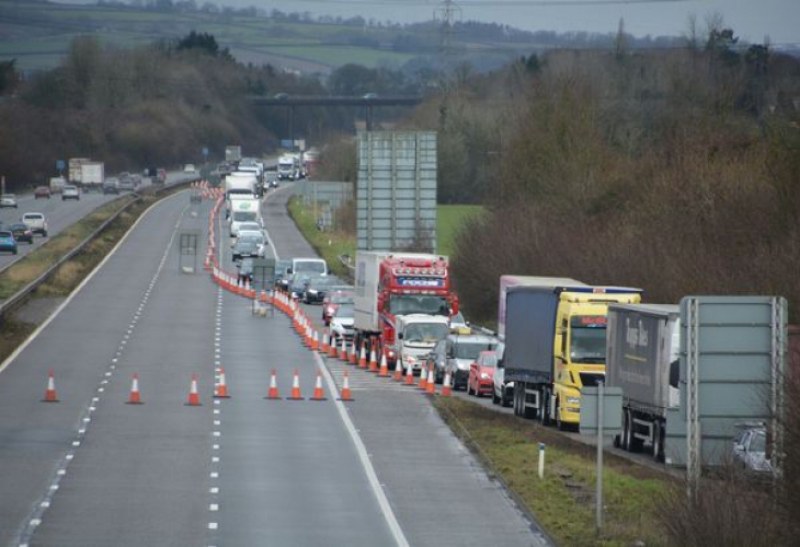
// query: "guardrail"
[[15, 300]]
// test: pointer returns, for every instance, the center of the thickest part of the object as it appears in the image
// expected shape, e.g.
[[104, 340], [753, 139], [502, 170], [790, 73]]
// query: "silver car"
[[456, 353], [750, 449]]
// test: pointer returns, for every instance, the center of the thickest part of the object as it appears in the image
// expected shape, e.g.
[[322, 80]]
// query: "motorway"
[[93, 470]]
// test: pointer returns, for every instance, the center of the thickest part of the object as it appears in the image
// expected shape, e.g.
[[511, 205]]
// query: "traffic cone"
[[447, 390], [431, 387], [423, 380], [353, 355], [135, 398], [319, 393], [194, 396], [409, 376], [332, 349], [346, 395], [373, 363], [272, 393], [343, 350], [315, 341], [221, 391], [398, 371], [296, 396], [326, 346], [384, 371], [50, 395], [362, 358]]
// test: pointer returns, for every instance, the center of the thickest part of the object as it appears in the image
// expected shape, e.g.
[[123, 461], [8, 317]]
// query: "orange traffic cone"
[[447, 391], [315, 341], [423, 379], [319, 393], [343, 350], [398, 371], [221, 391], [431, 387], [295, 396], [50, 395], [409, 376], [194, 396], [373, 364], [326, 344], [362, 358], [135, 398], [332, 349], [353, 355], [384, 372], [346, 395], [272, 393]]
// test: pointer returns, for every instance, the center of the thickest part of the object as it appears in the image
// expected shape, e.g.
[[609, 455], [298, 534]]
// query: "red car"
[[481, 374], [332, 301], [41, 192]]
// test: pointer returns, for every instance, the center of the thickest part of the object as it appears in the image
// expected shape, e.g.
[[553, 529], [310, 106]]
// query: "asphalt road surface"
[[93, 470]]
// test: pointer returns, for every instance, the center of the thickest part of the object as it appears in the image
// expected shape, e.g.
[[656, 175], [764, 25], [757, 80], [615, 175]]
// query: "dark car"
[[245, 248], [7, 242], [456, 353], [41, 192], [281, 275], [317, 288], [21, 232]]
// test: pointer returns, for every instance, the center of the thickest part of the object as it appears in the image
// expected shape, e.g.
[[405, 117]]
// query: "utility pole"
[[447, 13]]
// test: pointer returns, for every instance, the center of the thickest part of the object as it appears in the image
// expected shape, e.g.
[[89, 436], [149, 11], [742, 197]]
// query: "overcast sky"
[[751, 20]]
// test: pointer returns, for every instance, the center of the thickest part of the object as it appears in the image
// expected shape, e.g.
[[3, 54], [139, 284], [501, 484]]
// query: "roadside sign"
[[205, 152], [60, 165], [287, 143], [612, 411], [263, 272]]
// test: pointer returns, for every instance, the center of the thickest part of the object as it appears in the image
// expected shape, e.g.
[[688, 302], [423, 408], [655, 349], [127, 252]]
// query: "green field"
[[38, 35], [449, 220]]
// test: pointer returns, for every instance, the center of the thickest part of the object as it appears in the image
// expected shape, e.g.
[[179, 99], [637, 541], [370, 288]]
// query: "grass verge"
[[449, 221], [329, 245], [563, 501]]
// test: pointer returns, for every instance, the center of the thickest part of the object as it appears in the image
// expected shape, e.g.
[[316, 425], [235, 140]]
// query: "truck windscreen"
[[588, 345], [425, 332], [406, 304]]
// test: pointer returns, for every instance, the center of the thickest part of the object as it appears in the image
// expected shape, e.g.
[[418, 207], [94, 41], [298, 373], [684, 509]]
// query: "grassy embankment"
[[563, 502], [331, 245]]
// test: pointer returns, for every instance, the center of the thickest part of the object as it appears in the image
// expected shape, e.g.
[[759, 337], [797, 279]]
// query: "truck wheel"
[[544, 408], [658, 441], [626, 432]]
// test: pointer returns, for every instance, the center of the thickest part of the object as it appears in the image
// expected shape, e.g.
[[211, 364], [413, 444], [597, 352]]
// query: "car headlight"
[[312, 291], [409, 359], [391, 354], [485, 376], [574, 401], [462, 366]]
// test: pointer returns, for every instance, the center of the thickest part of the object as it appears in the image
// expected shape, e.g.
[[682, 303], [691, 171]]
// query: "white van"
[[310, 266], [244, 210], [241, 184]]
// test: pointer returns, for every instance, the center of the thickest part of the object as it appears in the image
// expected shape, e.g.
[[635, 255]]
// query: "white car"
[[70, 192], [341, 325], [503, 392], [8, 200], [36, 222], [189, 168]]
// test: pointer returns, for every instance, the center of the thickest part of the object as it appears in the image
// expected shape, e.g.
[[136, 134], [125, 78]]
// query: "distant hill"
[[37, 34]]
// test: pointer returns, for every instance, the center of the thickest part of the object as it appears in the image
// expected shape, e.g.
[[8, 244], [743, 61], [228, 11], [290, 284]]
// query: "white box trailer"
[[642, 358], [92, 175]]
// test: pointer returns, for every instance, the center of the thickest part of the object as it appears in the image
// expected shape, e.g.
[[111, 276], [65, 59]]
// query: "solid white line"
[[377, 488]]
